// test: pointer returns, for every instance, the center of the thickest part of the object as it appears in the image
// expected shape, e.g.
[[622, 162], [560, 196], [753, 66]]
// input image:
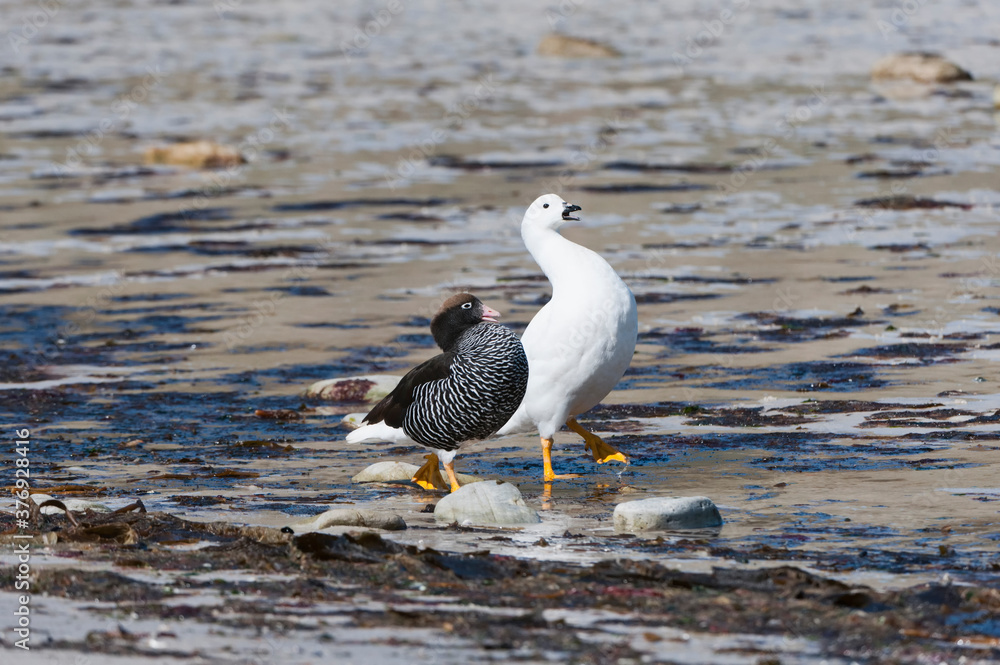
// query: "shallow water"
[[822, 368]]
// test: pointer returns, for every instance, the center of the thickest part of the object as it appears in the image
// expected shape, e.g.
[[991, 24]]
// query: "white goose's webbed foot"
[[601, 451]]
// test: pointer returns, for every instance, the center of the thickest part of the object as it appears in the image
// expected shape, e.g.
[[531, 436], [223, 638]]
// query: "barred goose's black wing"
[[393, 406]]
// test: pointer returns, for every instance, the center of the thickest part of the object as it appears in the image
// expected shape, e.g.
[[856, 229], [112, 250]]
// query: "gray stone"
[[373, 519], [387, 472], [486, 504], [667, 514], [370, 388]]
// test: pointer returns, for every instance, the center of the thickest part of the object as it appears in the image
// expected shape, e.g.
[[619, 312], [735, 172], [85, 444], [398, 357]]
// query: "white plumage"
[[579, 344]]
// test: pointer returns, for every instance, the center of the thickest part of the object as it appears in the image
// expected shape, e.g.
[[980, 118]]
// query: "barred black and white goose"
[[467, 392]]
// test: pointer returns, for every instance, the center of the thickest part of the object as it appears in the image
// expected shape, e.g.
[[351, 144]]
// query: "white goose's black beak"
[[568, 210]]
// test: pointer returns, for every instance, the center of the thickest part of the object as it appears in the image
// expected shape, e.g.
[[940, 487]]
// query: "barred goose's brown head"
[[458, 314]]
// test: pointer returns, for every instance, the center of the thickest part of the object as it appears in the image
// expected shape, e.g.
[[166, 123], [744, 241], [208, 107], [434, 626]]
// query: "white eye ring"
[[467, 305]]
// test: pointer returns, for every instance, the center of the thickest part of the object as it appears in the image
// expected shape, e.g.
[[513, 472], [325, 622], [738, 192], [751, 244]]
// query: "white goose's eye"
[[467, 305], [545, 205]]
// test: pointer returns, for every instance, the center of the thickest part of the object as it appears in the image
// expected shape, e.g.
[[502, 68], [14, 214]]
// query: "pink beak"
[[490, 314]]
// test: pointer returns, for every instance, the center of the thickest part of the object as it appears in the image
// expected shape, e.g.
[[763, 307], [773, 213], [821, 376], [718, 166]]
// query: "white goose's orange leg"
[[429, 475], [549, 474], [449, 468], [601, 451]]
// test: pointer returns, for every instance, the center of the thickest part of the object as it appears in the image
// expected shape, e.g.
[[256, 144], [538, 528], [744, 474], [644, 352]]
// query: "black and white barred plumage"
[[488, 375], [467, 392]]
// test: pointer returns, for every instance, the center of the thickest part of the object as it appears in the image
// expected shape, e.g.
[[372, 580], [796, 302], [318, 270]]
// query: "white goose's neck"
[[559, 258]]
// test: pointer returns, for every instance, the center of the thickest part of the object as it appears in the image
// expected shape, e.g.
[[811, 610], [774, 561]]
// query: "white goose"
[[580, 343]]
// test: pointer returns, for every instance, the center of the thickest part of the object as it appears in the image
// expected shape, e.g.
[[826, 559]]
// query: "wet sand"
[[814, 257]]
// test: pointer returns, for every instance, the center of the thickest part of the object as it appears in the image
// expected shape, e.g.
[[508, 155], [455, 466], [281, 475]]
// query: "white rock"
[[370, 388], [667, 514], [486, 504], [387, 472], [382, 472], [373, 519]]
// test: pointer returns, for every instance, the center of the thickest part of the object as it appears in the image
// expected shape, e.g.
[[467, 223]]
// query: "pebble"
[[196, 154], [563, 46], [486, 504], [667, 514], [387, 472], [920, 67], [372, 519], [369, 388]]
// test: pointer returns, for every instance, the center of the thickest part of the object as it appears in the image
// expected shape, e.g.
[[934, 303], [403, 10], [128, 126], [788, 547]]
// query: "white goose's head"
[[548, 212]]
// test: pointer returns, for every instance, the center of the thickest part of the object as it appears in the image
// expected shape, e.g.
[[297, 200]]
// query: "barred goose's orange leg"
[[449, 468], [429, 475]]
